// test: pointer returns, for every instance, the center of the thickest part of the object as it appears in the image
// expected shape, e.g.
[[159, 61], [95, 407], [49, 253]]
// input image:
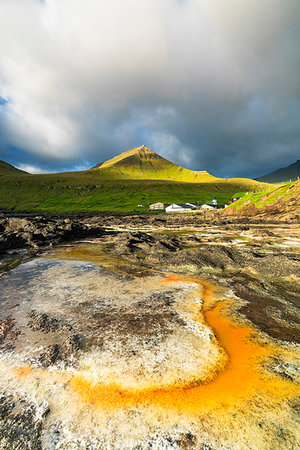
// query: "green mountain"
[[136, 177], [283, 175], [7, 169], [141, 163], [144, 164]]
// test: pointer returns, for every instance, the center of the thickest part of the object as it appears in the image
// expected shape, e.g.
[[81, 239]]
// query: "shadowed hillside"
[[284, 175], [7, 169]]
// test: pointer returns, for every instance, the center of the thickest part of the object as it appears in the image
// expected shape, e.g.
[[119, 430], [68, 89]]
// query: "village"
[[190, 207]]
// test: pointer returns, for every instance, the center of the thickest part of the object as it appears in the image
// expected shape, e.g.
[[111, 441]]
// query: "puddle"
[[97, 252]]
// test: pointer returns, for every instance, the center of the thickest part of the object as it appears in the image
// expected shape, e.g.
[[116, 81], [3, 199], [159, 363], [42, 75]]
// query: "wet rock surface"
[[97, 309], [70, 310], [263, 258], [274, 315]]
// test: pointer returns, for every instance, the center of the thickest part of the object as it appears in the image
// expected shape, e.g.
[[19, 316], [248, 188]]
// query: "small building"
[[210, 207], [179, 208], [157, 206], [207, 207], [212, 202]]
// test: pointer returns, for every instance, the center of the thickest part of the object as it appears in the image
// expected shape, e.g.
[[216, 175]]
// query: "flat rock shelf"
[[153, 339]]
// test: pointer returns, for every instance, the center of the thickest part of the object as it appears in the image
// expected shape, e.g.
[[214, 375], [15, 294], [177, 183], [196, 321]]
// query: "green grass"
[[89, 192], [141, 163], [136, 177], [8, 169], [268, 197]]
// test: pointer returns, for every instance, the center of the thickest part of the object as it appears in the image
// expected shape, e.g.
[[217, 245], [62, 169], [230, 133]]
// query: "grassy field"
[[87, 192], [136, 177]]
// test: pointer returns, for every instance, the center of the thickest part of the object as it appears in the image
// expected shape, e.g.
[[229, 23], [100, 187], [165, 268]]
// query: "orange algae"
[[238, 380], [23, 371]]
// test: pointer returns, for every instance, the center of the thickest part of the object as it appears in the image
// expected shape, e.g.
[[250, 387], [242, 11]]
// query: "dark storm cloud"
[[208, 84]]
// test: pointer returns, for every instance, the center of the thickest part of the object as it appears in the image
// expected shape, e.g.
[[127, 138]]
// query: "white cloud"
[[78, 74], [33, 169]]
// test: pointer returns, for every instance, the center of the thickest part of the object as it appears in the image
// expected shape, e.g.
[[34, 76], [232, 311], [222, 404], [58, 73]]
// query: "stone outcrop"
[[41, 231]]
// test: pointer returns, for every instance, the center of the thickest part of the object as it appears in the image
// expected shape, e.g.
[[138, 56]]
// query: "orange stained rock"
[[23, 371], [239, 379]]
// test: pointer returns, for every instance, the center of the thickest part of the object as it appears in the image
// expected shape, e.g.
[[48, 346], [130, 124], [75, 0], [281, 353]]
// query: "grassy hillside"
[[88, 192], [283, 201], [142, 163], [7, 169], [136, 177]]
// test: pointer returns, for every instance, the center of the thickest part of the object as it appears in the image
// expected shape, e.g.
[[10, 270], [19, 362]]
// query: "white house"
[[179, 208], [157, 206]]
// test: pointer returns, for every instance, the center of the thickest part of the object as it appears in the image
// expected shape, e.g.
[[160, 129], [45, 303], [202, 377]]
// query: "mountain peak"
[[135, 153], [143, 163], [143, 148], [139, 151]]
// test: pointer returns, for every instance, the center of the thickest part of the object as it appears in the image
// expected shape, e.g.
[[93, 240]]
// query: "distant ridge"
[[8, 169], [285, 174]]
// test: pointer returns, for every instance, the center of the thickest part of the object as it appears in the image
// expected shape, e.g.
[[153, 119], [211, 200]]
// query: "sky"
[[208, 84]]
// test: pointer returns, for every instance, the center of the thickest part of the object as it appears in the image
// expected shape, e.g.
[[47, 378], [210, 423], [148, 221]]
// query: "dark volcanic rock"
[[42, 322], [51, 355], [273, 316], [21, 423], [8, 332], [40, 231]]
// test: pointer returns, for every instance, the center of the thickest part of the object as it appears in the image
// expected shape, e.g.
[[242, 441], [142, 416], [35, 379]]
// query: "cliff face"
[[282, 204]]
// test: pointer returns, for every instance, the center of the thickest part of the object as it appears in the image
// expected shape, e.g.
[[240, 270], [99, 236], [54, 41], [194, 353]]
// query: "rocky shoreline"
[[18, 231], [110, 270]]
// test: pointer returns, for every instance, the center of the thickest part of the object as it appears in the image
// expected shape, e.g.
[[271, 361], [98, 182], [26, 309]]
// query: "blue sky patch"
[[3, 101]]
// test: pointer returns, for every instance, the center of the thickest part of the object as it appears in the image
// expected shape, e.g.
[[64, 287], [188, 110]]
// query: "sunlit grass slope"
[[89, 193], [136, 177], [281, 199], [143, 163]]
